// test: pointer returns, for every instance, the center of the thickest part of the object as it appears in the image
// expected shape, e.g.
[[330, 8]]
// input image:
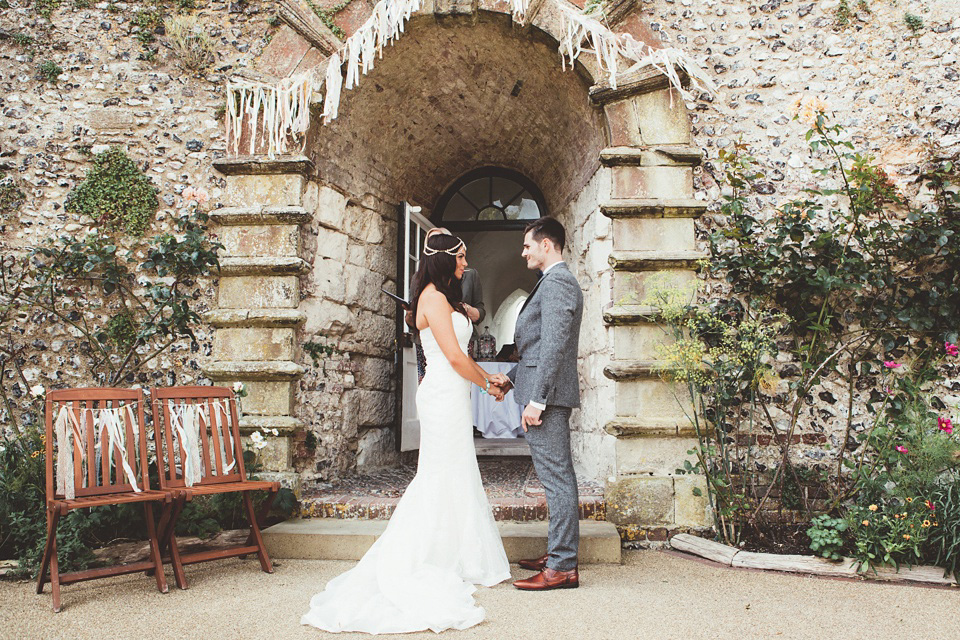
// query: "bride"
[[442, 539]]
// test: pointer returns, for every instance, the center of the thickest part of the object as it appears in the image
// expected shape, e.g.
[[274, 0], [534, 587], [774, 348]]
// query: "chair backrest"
[[95, 441], [197, 434]]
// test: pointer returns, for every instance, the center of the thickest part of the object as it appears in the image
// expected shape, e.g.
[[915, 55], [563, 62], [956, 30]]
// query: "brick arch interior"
[[456, 94]]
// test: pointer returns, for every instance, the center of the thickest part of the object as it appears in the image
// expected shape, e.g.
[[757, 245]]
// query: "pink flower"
[[945, 425], [951, 349], [931, 506], [902, 449], [890, 364]]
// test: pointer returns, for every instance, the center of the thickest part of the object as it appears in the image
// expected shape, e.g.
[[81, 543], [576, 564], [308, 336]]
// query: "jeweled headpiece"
[[427, 251]]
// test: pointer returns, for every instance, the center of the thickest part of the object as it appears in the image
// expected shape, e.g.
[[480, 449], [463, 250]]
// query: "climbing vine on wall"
[[116, 194], [327, 15]]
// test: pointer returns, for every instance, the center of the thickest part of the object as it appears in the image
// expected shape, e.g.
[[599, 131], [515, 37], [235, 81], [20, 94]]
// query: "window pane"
[[477, 192], [459, 209], [523, 209], [504, 190]]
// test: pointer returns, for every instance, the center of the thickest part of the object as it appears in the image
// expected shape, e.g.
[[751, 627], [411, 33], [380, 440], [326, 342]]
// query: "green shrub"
[[943, 544], [46, 7], [913, 22], [48, 71], [11, 197], [116, 194], [826, 536], [23, 40]]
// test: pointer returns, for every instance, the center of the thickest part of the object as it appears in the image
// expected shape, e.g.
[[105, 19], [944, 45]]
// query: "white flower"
[[257, 439], [237, 387], [37, 391], [275, 432]]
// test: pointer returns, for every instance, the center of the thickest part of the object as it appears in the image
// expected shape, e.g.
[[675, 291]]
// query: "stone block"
[[663, 118], [371, 408], [277, 455], [328, 280], [657, 456], [265, 292], [376, 449], [639, 342], [267, 190], [652, 182], [271, 240], [375, 373], [332, 244], [363, 224], [253, 344], [375, 258], [330, 207], [622, 124], [651, 397], [691, 510], [631, 287], [110, 120], [654, 234], [641, 501], [362, 287], [327, 317], [269, 398]]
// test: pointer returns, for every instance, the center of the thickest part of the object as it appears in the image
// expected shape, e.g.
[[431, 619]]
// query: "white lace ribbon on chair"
[[68, 431], [221, 407], [185, 420]]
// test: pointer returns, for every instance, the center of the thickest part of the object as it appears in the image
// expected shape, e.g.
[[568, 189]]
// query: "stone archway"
[[616, 165]]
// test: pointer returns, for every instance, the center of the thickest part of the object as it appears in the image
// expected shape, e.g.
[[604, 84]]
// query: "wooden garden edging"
[[814, 565]]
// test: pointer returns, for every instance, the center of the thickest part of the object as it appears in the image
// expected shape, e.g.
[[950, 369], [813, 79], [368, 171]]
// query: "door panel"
[[413, 233]]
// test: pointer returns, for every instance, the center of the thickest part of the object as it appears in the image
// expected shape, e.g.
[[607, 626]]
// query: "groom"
[[546, 383]]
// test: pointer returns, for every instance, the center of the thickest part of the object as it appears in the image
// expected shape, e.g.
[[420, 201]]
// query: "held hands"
[[502, 381]]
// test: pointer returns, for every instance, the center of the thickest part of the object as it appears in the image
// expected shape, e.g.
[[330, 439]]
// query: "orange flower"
[[926, 523], [872, 507], [909, 499], [866, 523], [906, 536]]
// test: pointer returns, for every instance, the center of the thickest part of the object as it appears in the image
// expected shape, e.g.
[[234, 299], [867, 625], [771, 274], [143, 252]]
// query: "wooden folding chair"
[[199, 452], [99, 433]]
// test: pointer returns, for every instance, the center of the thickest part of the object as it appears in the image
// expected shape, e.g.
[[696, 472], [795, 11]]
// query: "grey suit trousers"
[[550, 450]]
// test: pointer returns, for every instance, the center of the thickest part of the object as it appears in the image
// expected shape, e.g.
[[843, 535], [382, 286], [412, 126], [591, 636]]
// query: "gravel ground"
[[653, 594]]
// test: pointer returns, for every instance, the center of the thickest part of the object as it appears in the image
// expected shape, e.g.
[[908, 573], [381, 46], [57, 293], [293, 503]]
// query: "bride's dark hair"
[[437, 269]]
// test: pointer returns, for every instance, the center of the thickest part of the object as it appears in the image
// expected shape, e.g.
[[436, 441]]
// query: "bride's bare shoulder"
[[433, 298]]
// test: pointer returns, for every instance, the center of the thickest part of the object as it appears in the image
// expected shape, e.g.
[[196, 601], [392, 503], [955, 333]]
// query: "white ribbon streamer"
[[68, 432], [185, 421]]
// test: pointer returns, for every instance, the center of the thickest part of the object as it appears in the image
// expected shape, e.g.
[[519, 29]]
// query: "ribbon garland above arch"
[[282, 111]]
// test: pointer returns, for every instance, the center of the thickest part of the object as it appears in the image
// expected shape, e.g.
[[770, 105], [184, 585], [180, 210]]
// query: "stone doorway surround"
[[645, 192]]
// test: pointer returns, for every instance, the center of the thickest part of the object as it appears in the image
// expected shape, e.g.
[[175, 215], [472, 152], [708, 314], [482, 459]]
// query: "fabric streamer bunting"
[[187, 419], [282, 111]]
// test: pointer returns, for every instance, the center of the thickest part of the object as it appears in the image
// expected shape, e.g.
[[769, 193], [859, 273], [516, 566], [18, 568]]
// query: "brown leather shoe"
[[550, 579], [534, 564]]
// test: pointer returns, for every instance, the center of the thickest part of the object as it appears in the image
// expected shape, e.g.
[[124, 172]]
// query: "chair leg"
[[264, 512], [55, 574], [265, 563], [170, 538], [53, 516], [155, 546]]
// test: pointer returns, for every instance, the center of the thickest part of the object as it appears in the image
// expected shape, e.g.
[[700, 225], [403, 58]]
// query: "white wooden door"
[[412, 238]]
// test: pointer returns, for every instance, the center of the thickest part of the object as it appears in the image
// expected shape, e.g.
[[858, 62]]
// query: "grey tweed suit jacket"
[[547, 338]]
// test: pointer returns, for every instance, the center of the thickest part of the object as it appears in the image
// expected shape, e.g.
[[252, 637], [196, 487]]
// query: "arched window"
[[490, 198]]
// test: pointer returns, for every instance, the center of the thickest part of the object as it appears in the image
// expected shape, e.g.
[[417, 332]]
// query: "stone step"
[[655, 260], [260, 266], [525, 508], [233, 216], [654, 208], [628, 314], [636, 369], [259, 165], [645, 427], [646, 80], [253, 370], [330, 539], [280, 423], [261, 318], [652, 156]]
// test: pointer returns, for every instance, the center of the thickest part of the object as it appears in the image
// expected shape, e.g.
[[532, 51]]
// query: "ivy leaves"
[[116, 194]]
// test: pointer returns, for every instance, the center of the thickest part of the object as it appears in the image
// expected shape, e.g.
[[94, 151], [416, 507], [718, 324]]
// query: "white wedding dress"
[[441, 540]]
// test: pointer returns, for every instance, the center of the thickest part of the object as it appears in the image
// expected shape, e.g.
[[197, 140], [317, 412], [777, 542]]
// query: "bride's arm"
[[440, 320]]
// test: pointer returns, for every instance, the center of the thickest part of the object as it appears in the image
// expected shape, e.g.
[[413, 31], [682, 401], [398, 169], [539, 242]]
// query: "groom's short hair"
[[547, 228]]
